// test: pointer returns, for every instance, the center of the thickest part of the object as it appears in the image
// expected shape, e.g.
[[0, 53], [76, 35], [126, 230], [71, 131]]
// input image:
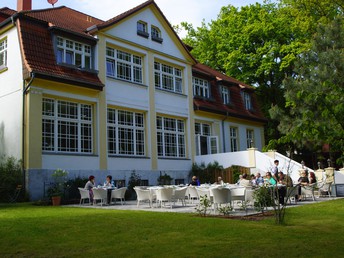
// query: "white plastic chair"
[[237, 194], [179, 194], [84, 195], [220, 196], [325, 190], [249, 197], [308, 191], [164, 195], [192, 194], [143, 195], [118, 194], [99, 194], [203, 192]]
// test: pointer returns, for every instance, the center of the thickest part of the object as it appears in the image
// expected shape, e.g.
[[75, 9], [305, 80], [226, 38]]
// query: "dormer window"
[[142, 29], [3, 53], [200, 87], [156, 34], [73, 53], [225, 94], [247, 100]]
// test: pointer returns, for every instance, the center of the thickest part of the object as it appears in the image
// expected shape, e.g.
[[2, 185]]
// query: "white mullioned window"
[[233, 131], [171, 137], [123, 65], [126, 132], [225, 94], [247, 100], [3, 53], [73, 53], [155, 32], [200, 87], [168, 77], [250, 138], [205, 142], [66, 126]]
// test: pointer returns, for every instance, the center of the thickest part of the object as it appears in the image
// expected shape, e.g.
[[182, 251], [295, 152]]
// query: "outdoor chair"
[[118, 194], [220, 196], [84, 195], [203, 192], [99, 194], [179, 194], [164, 195], [292, 192], [192, 193], [249, 197], [143, 195], [13, 198], [325, 190], [308, 191], [237, 194]]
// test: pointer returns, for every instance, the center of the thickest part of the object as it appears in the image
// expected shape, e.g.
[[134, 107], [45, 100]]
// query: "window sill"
[[3, 69], [157, 39], [135, 83], [78, 68], [127, 156], [143, 34], [68, 154], [173, 158]]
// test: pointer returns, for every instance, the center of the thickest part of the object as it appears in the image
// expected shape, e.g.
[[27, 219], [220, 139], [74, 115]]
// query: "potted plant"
[[56, 190]]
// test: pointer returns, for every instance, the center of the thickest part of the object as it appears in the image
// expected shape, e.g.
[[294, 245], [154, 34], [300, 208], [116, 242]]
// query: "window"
[[225, 93], [125, 132], [67, 126], [170, 137], [156, 34], [142, 29], [233, 131], [247, 100], [167, 77], [73, 53], [205, 143], [123, 65], [200, 87], [250, 138], [3, 53]]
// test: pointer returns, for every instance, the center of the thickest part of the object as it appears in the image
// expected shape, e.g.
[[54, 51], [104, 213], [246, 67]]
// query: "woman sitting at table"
[[194, 181], [108, 183], [270, 179], [245, 182], [89, 185], [303, 181], [312, 178]]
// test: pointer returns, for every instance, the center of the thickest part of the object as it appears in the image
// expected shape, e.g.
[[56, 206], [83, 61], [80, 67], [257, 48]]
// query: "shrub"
[[10, 177]]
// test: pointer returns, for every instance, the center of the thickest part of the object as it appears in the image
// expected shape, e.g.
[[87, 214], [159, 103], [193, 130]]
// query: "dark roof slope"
[[6, 13], [214, 104]]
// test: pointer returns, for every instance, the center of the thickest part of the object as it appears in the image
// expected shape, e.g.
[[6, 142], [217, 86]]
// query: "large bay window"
[[200, 87], [123, 65], [73, 53], [168, 77], [205, 142], [67, 126], [171, 137], [3, 53], [125, 132]]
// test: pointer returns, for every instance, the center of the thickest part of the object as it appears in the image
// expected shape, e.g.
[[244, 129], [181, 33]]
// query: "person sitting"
[[245, 182], [253, 180], [219, 181], [259, 179], [108, 183], [89, 185], [312, 178], [303, 181], [270, 179], [194, 181], [239, 180]]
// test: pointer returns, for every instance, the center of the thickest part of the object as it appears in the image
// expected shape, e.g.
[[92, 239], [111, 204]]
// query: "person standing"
[[275, 170]]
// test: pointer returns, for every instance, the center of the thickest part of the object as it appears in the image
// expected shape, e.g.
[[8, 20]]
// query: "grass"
[[314, 230]]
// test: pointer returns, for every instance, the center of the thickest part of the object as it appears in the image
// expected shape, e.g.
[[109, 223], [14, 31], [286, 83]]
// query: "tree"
[[315, 94]]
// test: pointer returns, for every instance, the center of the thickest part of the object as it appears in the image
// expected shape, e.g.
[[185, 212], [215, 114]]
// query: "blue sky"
[[176, 11]]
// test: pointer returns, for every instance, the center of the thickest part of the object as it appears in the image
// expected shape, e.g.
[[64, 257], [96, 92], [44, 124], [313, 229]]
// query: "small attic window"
[[142, 29], [156, 34]]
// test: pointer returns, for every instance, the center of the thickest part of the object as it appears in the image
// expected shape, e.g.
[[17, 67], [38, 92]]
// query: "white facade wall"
[[11, 96]]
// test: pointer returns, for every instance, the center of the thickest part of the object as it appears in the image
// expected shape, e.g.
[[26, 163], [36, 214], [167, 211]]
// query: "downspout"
[[25, 91], [223, 132]]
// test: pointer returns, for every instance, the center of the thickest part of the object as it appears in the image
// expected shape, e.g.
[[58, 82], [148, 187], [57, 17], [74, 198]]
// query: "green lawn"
[[315, 230]]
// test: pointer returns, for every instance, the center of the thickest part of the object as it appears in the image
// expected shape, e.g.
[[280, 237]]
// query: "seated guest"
[[108, 183], [219, 181], [303, 181], [259, 179], [270, 179], [89, 185], [253, 180], [245, 182], [282, 191], [239, 180], [312, 178], [194, 181]]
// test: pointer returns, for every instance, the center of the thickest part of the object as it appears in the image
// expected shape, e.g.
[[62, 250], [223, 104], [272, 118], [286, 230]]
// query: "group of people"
[[91, 183]]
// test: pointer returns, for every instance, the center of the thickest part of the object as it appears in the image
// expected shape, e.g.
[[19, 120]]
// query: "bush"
[[10, 177]]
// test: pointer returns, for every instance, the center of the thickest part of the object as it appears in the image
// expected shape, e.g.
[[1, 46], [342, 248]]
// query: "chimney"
[[24, 5]]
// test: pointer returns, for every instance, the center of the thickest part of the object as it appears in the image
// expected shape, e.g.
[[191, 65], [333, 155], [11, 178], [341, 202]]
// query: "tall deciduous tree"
[[315, 94]]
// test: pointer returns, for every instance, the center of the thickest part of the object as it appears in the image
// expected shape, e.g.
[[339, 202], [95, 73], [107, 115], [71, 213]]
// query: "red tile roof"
[[214, 104], [5, 13]]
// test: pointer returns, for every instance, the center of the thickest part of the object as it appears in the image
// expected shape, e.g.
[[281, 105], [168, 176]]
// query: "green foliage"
[[204, 173], [10, 177], [72, 193], [226, 210], [262, 198], [164, 179], [58, 186], [134, 180], [203, 207]]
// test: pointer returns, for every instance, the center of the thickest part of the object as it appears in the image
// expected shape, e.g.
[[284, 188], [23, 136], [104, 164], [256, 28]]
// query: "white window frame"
[[3, 53], [225, 94], [67, 127], [126, 132], [73, 53], [204, 130], [200, 87], [247, 100], [155, 32], [167, 77], [142, 27], [249, 138], [171, 139], [233, 133], [123, 65]]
